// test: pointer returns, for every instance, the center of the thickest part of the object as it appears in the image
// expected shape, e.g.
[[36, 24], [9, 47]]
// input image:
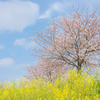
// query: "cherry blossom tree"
[[74, 40], [47, 69]]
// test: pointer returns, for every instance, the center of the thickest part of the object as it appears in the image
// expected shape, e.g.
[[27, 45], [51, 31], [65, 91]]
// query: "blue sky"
[[18, 21]]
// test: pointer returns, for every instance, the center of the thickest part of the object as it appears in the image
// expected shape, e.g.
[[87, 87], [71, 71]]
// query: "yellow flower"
[[87, 98], [5, 93]]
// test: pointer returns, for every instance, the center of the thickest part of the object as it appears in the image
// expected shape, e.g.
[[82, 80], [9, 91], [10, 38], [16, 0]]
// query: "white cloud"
[[46, 14], [2, 47], [6, 62], [57, 7], [16, 15], [30, 45], [24, 42], [64, 5], [13, 53], [20, 42]]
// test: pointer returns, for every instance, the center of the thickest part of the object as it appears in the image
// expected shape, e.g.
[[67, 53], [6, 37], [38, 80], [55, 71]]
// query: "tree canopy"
[[74, 41]]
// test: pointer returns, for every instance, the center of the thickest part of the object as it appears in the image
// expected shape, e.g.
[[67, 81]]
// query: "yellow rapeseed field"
[[72, 87]]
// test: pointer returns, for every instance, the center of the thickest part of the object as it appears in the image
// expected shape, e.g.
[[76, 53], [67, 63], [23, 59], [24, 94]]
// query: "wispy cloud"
[[2, 47], [56, 7], [14, 71], [30, 45], [6, 61], [65, 5], [46, 14], [20, 42], [91, 4], [15, 15], [23, 42]]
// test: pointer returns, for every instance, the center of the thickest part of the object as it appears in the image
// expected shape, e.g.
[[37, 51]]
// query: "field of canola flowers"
[[73, 87]]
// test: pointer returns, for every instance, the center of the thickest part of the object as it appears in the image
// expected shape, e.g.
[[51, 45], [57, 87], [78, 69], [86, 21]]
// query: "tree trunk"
[[79, 70]]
